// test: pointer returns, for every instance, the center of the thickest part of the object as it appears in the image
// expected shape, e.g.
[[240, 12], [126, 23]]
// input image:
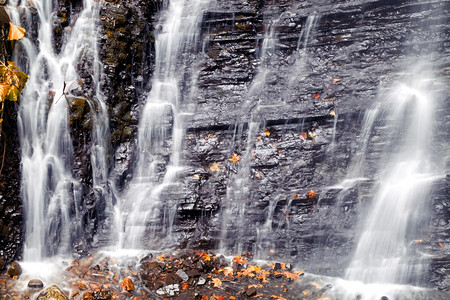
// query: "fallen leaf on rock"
[[127, 284], [235, 158], [215, 167], [418, 241], [267, 133], [277, 297], [196, 177], [314, 284], [303, 136], [205, 256], [440, 244], [335, 80], [317, 95], [240, 260], [258, 175], [228, 271], [311, 194], [332, 113], [216, 282], [295, 196]]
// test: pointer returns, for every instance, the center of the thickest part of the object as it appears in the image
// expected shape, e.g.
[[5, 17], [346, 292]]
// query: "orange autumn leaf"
[[228, 271], [205, 256], [184, 286], [311, 194], [240, 260], [277, 297], [305, 292], [216, 282], [127, 284], [317, 95], [267, 133], [235, 158], [303, 136], [332, 113], [335, 80], [291, 276], [15, 32], [258, 295], [232, 297], [440, 244], [4, 90]]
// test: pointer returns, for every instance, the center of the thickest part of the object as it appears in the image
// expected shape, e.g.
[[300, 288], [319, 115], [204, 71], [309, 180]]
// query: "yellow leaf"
[[196, 177], [15, 32], [336, 80], [215, 167], [312, 135], [1, 120], [267, 133], [235, 158], [332, 113], [13, 93]]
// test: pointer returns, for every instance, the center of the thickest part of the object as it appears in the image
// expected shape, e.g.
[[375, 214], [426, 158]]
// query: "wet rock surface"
[[352, 49], [186, 274]]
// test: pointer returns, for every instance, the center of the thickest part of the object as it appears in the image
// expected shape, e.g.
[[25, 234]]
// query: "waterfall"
[[49, 190], [384, 253], [161, 127]]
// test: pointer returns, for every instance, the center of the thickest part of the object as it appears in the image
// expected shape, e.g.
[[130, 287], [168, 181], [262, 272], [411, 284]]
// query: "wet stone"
[[170, 290], [250, 291], [182, 275], [53, 292], [14, 270], [35, 284]]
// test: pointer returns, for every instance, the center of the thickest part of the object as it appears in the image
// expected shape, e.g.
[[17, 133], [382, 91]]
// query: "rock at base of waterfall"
[[35, 284], [127, 284], [182, 274], [53, 292], [170, 290], [14, 270], [251, 291]]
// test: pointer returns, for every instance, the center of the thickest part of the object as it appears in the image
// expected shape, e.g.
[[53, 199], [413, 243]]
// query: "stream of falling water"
[[161, 121], [49, 190], [383, 254]]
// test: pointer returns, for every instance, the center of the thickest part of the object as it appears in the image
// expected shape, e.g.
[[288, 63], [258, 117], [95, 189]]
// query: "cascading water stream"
[[48, 187], [161, 119], [384, 254]]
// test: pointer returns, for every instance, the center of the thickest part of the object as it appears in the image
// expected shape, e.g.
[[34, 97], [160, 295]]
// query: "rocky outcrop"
[[11, 209]]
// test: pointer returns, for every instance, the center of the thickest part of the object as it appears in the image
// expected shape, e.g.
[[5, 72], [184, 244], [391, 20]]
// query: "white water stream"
[[161, 121], [383, 254], [49, 190]]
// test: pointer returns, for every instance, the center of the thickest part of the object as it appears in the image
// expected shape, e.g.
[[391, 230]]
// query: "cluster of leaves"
[[12, 81]]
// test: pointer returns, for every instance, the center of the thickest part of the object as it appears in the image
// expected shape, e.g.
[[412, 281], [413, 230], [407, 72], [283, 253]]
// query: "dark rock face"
[[328, 57], [11, 209]]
